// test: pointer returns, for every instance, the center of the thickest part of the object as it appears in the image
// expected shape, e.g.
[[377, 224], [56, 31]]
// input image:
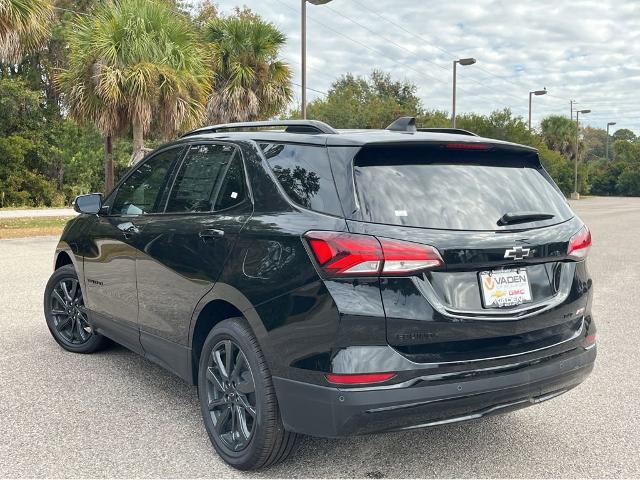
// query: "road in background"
[[37, 212], [115, 414]]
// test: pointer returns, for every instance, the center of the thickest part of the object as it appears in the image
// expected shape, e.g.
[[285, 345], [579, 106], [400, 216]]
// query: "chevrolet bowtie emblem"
[[517, 253]]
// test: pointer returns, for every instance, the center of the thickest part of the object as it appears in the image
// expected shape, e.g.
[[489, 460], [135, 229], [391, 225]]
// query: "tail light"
[[349, 255], [580, 244], [358, 378]]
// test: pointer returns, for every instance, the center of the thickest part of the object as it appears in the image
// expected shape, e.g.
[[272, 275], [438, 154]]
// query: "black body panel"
[[157, 282]]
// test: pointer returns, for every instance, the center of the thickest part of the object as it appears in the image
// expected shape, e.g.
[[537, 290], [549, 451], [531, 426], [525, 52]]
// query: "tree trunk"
[[108, 165], [138, 143]]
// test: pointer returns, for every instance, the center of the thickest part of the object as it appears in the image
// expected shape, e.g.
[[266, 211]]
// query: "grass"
[[31, 226]]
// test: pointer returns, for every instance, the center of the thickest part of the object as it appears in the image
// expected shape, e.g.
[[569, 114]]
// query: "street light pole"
[[303, 50], [571, 102], [464, 62], [575, 195], [537, 93], [303, 55], [606, 148]]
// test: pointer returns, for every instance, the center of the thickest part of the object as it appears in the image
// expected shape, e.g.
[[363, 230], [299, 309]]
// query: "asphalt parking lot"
[[114, 414]]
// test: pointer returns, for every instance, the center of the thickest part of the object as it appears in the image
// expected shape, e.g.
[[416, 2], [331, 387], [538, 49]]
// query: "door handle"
[[211, 233], [128, 228]]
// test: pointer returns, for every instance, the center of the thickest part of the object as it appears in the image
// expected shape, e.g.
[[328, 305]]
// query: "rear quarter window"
[[305, 175]]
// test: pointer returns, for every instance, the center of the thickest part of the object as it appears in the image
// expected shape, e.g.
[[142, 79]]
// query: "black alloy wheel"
[[66, 314], [69, 315], [231, 393], [238, 400]]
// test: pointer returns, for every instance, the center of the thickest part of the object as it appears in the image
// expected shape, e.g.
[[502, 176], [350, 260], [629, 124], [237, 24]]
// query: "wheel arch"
[[65, 255], [62, 259], [222, 303]]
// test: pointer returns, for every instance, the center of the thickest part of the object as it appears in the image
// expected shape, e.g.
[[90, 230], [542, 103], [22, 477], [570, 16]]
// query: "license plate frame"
[[505, 288]]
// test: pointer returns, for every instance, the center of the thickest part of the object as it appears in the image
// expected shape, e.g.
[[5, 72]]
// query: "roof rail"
[[456, 131], [291, 126], [403, 124]]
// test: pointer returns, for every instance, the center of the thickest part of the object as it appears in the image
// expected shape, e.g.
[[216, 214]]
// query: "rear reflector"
[[467, 146], [354, 255], [580, 244], [591, 339], [358, 378]]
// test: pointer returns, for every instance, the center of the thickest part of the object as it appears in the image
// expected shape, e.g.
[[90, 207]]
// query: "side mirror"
[[90, 203]]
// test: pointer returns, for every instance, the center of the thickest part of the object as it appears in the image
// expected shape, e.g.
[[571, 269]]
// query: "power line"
[[312, 89], [410, 51], [452, 54], [405, 65]]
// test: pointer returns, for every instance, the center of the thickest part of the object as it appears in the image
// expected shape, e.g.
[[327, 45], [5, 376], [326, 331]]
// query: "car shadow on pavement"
[[421, 452]]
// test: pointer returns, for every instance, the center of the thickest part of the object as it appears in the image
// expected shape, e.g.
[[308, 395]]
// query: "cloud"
[[581, 49]]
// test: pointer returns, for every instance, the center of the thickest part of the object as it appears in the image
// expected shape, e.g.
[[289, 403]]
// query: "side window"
[[202, 176], [140, 192], [305, 175], [233, 188]]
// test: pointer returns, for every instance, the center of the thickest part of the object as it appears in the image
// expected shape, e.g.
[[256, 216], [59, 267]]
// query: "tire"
[[268, 442], [65, 313]]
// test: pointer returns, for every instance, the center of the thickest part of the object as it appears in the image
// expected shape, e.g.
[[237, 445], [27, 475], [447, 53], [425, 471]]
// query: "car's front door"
[[110, 251], [183, 249]]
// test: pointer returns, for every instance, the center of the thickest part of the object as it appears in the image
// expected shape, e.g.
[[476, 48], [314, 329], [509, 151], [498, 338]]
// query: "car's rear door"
[[110, 250], [506, 284], [183, 248]]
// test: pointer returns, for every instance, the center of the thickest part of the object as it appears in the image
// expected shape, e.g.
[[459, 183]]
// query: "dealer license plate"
[[505, 288]]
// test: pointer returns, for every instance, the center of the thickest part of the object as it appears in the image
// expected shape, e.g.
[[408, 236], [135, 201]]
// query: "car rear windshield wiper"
[[510, 218]]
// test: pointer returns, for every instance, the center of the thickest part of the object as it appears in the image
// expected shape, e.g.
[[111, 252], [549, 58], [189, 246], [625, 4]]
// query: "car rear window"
[[454, 189], [305, 175]]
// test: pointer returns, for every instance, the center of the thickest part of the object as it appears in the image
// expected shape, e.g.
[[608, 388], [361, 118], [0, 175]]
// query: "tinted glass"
[[200, 178], [233, 188], [141, 191], [305, 175], [458, 191]]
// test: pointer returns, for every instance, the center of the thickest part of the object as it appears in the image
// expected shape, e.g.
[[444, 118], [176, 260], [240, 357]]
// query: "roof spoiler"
[[456, 131], [291, 126]]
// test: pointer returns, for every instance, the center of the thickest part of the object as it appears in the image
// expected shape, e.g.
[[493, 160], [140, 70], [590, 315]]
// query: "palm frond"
[[250, 82], [24, 26]]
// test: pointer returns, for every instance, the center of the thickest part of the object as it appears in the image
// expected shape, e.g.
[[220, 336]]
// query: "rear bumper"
[[334, 412]]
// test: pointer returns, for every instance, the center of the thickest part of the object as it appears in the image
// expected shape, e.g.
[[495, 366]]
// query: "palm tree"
[[135, 65], [249, 82], [24, 26], [559, 134]]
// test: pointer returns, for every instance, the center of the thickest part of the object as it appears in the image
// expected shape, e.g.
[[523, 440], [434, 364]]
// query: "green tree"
[[24, 26], [559, 134], [594, 143], [360, 102], [624, 134], [138, 65], [249, 82]]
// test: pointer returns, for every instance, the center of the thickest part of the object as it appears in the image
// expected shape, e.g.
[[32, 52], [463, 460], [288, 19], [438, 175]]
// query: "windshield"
[[456, 190]]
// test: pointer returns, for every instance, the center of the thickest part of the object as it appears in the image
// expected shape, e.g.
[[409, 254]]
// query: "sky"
[[584, 50]]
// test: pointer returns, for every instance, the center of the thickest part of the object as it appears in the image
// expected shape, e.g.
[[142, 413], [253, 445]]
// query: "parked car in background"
[[333, 283]]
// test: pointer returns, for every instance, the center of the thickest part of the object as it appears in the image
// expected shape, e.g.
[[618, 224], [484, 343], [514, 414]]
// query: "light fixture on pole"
[[606, 149], [464, 62], [536, 93], [575, 195], [303, 42]]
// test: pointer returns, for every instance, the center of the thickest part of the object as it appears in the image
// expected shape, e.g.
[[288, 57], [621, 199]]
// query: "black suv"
[[331, 283]]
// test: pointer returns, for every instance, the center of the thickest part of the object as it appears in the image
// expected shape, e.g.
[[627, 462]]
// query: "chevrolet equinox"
[[333, 282]]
